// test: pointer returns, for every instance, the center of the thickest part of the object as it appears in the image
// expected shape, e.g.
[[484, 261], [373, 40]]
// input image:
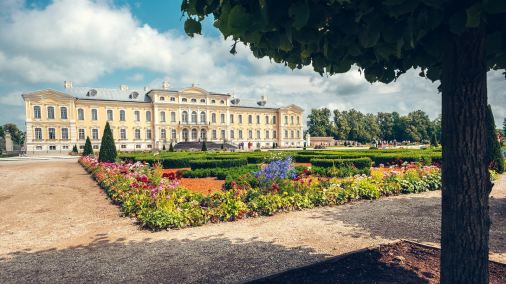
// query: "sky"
[[106, 43]]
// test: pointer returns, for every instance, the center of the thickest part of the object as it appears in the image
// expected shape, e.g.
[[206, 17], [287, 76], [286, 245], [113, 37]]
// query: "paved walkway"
[[58, 226]]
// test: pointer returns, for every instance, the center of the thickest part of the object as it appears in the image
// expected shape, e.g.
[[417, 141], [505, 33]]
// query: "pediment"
[[194, 91], [49, 94]]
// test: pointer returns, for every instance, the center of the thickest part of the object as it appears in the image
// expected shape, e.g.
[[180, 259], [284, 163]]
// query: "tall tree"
[[342, 128], [496, 161], [107, 147], [386, 125], [454, 41], [318, 122], [504, 127]]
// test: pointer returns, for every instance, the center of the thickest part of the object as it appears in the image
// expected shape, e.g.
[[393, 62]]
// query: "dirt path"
[[57, 226]]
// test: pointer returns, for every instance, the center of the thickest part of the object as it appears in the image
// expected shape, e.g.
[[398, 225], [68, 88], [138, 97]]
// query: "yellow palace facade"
[[153, 118]]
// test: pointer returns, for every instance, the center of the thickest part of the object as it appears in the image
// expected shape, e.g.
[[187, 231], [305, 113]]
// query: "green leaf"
[[299, 12], [192, 27], [238, 20], [473, 16]]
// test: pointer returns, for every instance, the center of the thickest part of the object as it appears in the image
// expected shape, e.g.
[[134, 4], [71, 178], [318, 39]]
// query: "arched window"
[[162, 98], [232, 136], [63, 112], [194, 134], [173, 116], [184, 117], [122, 116], [298, 120], [194, 100], [80, 114], [172, 99], [291, 119], [291, 134], [213, 101], [203, 134], [137, 115], [185, 134], [137, 134], [266, 119], [222, 102], [162, 116], [110, 115], [203, 101], [203, 117], [50, 112], [184, 100], [213, 117], [148, 116], [36, 112], [173, 134], [298, 133], [250, 119], [274, 134], [163, 133], [194, 117]]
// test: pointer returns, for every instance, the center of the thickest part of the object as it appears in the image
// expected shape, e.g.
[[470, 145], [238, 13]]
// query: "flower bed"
[[158, 201]]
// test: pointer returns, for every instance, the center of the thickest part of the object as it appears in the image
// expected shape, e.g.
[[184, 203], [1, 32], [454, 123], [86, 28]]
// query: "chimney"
[[165, 85], [146, 88], [123, 87], [67, 84]]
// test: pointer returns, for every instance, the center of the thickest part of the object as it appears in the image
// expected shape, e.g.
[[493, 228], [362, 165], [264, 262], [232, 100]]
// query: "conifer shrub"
[[107, 147]]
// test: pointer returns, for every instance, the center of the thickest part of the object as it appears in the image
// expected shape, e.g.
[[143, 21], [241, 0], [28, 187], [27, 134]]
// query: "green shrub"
[[359, 163], [88, 149], [107, 147], [225, 163]]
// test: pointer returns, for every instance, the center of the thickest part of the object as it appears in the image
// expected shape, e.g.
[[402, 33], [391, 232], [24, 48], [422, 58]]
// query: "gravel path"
[[58, 226]]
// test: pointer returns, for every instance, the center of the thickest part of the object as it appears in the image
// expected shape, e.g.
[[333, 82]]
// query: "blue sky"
[[106, 43]]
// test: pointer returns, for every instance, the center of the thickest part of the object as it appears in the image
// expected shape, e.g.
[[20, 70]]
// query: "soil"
[[401, 262]]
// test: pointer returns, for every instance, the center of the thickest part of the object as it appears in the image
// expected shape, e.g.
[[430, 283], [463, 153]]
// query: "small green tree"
[[107, 146], [433, 140], [88, 149], [74, 149], [163, 148], [204, 146], [171, 148], [496, 161]]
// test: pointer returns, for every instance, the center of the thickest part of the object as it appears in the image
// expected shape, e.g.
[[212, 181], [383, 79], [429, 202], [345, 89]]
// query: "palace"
[[153, 118]]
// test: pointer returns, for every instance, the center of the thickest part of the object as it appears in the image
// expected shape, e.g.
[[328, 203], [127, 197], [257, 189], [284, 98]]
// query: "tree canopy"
[[383, 38]]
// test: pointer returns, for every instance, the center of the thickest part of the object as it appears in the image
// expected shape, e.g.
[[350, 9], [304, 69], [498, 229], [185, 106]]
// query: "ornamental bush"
[[107, 147], [88, 149], [224, 163], [360, 163]]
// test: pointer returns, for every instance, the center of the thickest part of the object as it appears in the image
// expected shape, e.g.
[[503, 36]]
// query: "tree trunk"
[[466, 182]]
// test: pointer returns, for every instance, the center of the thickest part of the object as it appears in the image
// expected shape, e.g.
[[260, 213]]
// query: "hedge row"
[[360, 163], [226, 163], [220, 173]]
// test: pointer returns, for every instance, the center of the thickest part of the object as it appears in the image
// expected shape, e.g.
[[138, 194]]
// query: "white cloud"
[[82, 41], [12, 99]]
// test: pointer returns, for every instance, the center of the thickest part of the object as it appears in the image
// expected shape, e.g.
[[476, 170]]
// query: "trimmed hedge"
[[360, 163], [226, 163]]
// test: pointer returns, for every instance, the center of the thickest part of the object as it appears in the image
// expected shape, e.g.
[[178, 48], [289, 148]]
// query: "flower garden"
[[262, 183]]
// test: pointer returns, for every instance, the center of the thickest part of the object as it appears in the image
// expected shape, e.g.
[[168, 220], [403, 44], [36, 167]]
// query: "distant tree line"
[[354, 125]]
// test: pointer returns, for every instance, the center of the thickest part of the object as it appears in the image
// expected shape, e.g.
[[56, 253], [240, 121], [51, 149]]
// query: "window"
[[81, 134], [185, 134], [250, 119], [148, 134], [38, 147], [162, 99], [38, 134], [63, 112], [250, 134], [137, 134], [122, 116], [286, 119], [222, 118], [266, 134], [193, 100], [50, 112], [51, 132], [258, 134], [137, 146], [291, 119], [163, 134], [94, 114], [148, 116], [185, 116], [194, 117], [94, 134], [203, 101], [240, 134], [222, 134], [184, 100], [274, 120], [123, 146], [232, 134], [95, 146], [274, 134], [162, 116], [298, 120], [258, 119], [222, 102], [194, 134], [172, 99], [80, 114], [231, 118], [52, 147], [214, 135], [213, 117], [240, 118], [36, 112], [291, 134], [64, 133], [173, 116], [298, 133], [137, 115], [213, 101], [286, 133], [266, 119], [109, 115], [203, 135], [122, 134], [202, 117], [174, 134], [65, 147]]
